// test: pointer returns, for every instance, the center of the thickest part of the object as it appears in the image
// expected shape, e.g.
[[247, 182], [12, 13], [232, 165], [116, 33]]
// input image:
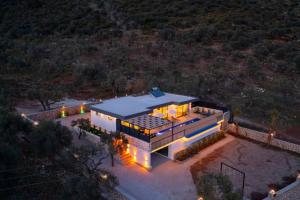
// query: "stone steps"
[[126, 159]]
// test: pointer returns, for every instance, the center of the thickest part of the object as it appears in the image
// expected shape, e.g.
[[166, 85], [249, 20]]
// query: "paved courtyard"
[[262, 165]]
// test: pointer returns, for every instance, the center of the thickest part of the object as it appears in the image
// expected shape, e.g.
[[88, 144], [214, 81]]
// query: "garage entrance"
[[159, 157], [163, 151]]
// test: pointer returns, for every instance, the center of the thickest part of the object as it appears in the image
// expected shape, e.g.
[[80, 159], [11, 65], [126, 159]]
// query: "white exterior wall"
[[175, 147], [185, 142], [103, 121], [140, 156]]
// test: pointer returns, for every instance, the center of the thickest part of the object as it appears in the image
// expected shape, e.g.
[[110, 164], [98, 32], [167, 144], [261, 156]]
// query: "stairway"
[[126, 159]]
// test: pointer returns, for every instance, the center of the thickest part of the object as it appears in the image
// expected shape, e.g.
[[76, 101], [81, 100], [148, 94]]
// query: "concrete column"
[[140, 156]]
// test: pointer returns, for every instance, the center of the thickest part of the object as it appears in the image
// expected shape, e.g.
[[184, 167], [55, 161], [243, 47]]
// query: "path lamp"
[[82, 109], [63, 112], [271, 135], [272, 193]]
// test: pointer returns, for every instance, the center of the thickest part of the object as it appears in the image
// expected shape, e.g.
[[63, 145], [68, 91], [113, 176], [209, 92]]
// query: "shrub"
[[189, 151], [258, 195], [194, 148], [261, 51], [297, 61], [181, 155], [237, 56], [198, 146], [208, 53], [242, 42], [216, 186], [167, 34]]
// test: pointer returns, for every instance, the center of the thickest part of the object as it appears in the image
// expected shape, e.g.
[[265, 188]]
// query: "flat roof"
[[131, 106]]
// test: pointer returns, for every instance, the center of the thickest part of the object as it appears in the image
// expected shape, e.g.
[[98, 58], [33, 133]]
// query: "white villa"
[[157, 121]]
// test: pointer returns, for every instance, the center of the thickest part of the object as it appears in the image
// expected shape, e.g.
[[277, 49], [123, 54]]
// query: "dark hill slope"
[[243, 53]]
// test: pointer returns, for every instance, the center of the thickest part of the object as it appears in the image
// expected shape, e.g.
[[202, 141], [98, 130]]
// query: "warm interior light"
[[23, 115], [35, 123]]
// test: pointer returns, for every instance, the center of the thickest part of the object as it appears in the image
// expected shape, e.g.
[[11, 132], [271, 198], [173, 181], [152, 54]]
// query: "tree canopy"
[[39, 162]]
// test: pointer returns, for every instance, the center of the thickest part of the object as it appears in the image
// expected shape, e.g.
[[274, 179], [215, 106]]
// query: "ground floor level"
[[166, 180], [142, 153], [173, 180]]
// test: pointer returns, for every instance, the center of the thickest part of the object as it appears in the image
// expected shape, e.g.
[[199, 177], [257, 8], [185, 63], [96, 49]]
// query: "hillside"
[[242, 53]]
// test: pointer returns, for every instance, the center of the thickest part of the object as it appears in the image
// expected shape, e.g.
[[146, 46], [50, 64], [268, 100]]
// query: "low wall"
[[89, 136], [55, 113], [290, 192], [264, 137]]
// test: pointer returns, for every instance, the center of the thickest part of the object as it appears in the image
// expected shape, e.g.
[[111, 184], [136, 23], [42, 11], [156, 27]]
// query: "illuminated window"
[[125, 123], [182, 110], [162, 110]]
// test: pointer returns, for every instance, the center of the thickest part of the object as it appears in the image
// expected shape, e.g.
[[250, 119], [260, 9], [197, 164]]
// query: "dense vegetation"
[[39, 162], [196, 147], [243, 53], [216, 187]]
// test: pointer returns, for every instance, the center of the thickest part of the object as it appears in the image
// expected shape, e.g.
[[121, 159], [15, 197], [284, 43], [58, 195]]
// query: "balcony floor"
[[187, 117]]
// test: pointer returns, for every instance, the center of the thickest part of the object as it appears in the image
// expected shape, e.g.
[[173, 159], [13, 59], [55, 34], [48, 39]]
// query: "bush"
[[261, 51], [216, 186], [167, 34], [258, 195], [297, 61], [208, 53], [181, 155], [198, 146]]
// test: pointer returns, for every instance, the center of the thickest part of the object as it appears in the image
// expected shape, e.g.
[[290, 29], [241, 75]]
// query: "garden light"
[[272, 193], [63, 112], [82, 109]]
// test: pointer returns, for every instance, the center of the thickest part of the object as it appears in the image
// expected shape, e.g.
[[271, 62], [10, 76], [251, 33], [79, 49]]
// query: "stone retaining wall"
[[264, 137]]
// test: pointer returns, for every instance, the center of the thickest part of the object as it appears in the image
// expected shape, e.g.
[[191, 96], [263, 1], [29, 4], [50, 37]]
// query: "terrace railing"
[[175, 132], [182, 131]]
